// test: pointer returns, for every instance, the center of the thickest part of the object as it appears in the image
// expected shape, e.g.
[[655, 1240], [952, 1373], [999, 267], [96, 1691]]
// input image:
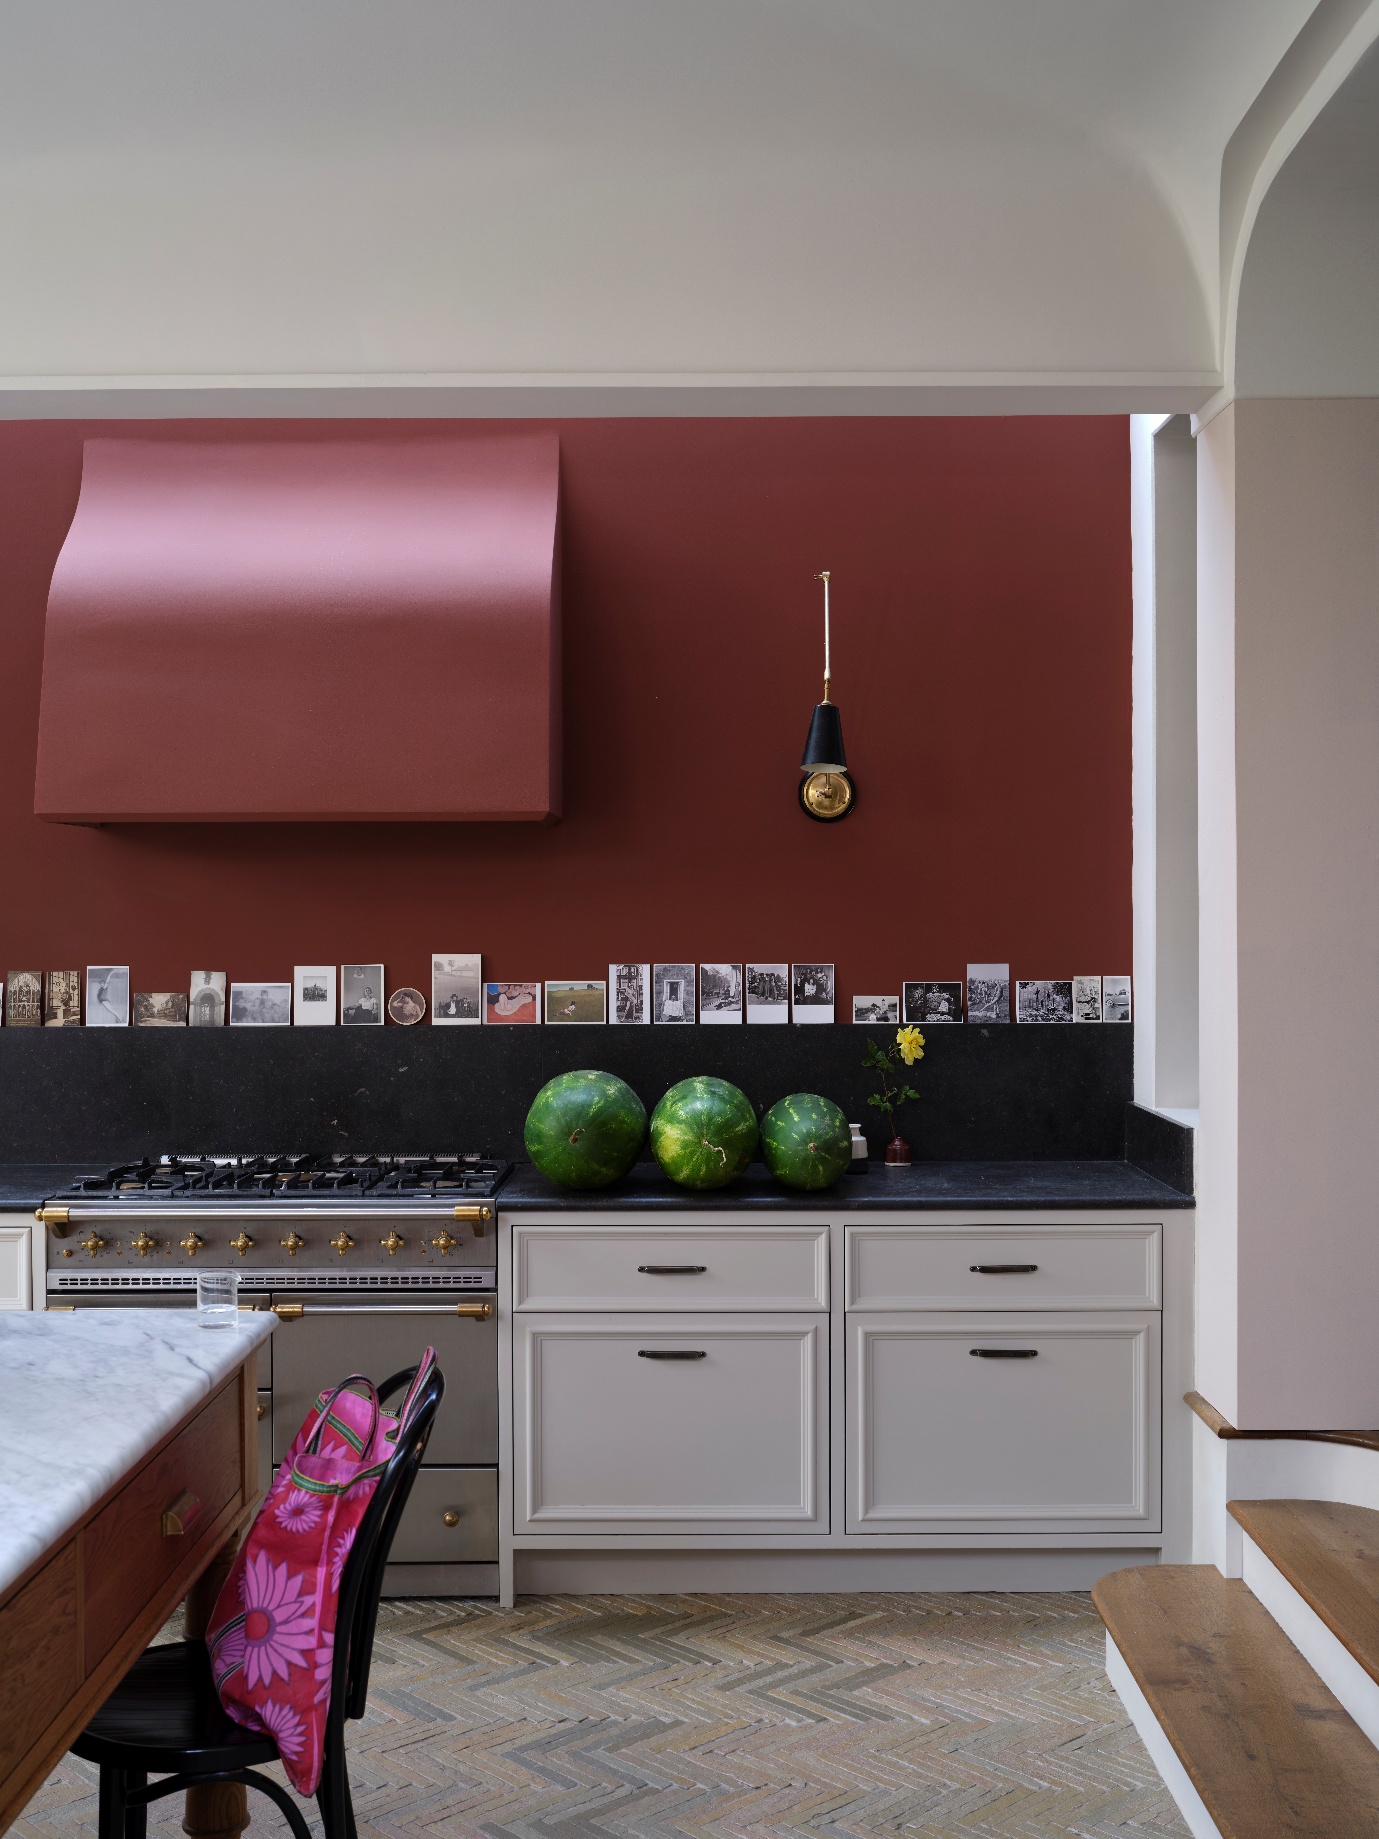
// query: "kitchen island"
[[127, 1444]]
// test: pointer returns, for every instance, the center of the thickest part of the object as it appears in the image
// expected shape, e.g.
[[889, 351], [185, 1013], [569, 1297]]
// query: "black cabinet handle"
[[670, 1353], [1004, 1353], [673, 1270], [1003, 1270]]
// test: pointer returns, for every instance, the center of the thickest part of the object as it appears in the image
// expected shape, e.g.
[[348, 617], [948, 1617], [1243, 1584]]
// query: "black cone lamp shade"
[[823, 751], [826, 791]]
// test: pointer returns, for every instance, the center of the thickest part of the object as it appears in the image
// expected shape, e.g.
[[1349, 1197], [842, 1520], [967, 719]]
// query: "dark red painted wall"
[[981, 572]]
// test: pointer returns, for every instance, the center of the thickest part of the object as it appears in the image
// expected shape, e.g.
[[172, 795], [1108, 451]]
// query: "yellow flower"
[[911, 1044]]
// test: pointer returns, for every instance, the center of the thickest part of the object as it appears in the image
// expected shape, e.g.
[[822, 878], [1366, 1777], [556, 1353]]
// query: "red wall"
[[981, 574]]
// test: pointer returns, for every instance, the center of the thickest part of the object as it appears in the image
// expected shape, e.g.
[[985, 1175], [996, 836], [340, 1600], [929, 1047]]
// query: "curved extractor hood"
[[265, 631]]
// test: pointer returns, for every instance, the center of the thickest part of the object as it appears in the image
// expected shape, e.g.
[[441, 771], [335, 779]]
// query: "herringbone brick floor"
[[728, 1717]]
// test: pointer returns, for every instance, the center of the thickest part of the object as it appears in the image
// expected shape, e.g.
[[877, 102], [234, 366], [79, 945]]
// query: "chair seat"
[[164, 1717]]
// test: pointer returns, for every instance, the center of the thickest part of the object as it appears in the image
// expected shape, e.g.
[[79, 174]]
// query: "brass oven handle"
[[293, 1312], [57, 1219], [178, 1517], [475, 1216]]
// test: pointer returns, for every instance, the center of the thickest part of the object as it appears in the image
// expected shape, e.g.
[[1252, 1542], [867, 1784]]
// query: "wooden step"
[[1269, 1750], [1329, 1553]]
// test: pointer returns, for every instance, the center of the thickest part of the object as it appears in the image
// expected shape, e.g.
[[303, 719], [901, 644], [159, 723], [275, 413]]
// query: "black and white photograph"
[[62, 999], [768, 994], [1044, 999], [811, 992], [456, 995], [720, 994], [1086, 999], [672, 993], [879, 1011], [1115, 999], [24, 999], [107, 996], [206, 1009], [160, 1009], [988, 993], [629, 989], [260, 1005], [313, 995], [406, 1006], [931, 1003], [576, 1001], [361, 995]]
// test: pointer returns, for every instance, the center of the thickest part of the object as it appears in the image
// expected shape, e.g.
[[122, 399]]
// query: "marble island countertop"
[[84, 1396]]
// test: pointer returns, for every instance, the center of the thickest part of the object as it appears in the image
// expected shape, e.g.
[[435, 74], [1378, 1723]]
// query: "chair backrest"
[[361, 1583]]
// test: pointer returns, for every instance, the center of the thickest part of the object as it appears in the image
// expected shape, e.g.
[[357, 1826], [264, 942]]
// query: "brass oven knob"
[[143, 1244], [192, 1244], [93, 1243], [292, 1244], [445, 1242], [242, 1243], [450, 1517], [392, 1244], [343, 1243]]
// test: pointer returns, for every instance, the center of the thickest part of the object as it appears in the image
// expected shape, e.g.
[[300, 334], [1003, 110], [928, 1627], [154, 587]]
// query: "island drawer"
[[670, 1268], [127, 1554], [1092, 1266]]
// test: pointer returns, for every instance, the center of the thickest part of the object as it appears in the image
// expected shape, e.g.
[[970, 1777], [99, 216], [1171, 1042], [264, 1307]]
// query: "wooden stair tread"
[[1329, 1552], [1267, 1747]]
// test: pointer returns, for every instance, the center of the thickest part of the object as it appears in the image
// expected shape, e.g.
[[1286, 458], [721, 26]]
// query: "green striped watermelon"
[[805, 1141], [703, 1133], [585, 1129]]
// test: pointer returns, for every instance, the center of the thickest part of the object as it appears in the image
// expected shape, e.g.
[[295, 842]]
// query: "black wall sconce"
[[827, 791]]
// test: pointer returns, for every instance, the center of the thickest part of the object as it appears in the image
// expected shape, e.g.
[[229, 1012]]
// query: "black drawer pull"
[[673, 1270], [670, 1353], [1003, 1270], [1004, 1353]]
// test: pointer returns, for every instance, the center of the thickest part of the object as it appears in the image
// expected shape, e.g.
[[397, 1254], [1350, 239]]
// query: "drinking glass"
[[217, 1298]]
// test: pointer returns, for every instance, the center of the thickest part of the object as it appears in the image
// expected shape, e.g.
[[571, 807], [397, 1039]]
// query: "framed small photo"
[[61, 999], [455, 992], [931, 1003], [313, 995], [988, 993], [630, 986], [361, 995], [1086, 999], [512, 1005], [1115, 999], [768, 994], [206, 1008], [406, 1006], [1044, 999], [878, 1010], [260, 1005], [672, 993], [576, 1002], [720, 993], [163, 1009], [107, 996], [811, 992], [24, 999]]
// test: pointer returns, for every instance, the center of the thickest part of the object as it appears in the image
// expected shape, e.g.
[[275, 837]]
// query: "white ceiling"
[[594, 195]]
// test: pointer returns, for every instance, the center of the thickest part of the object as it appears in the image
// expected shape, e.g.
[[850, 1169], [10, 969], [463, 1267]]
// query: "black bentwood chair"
[[164, 1718]]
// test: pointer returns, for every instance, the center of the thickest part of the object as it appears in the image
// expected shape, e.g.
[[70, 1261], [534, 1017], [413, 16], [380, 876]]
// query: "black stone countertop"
[[1001, 1186], [26, 1185]]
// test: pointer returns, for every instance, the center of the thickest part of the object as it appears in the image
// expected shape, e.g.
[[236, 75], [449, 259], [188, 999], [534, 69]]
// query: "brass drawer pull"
[[450, 1517], [673, 1270], [671, 1353], [1004, 1353], [262, 1411], [180, 1515], [1003, 1270]]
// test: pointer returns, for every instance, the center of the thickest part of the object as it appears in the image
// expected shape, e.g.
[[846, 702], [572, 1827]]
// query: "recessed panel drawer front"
[[1012, 1267], [1036, 1423], [451, 1518], [659, 1424], [669, 1268]]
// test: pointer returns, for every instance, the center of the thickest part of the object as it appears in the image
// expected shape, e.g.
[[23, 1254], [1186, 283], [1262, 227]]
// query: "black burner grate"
[[286, 1178]]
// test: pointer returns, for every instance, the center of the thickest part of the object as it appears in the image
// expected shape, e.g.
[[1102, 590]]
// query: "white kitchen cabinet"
[[1006, 1422], [677, 1269], [654, 1424], [16, 1260], [1081, 1266]]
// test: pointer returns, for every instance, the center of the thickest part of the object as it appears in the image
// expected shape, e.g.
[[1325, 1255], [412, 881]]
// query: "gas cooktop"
[[277, 1179]]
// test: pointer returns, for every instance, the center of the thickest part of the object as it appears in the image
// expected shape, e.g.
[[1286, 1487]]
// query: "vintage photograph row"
[[988, 989]]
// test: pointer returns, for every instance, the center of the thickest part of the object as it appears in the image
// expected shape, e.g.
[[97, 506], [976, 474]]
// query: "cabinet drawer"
[[471, 1495], [1039, 1423], [671, 1424], [672, 1268], [16, 1256], [962, 1267], [126, 1554]]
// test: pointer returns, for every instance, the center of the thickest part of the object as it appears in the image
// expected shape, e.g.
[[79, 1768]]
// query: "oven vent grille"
[[261, 1280]]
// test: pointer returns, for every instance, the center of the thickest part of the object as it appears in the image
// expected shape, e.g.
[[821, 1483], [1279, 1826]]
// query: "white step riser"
[[1326, 1656], [1161, 1752]]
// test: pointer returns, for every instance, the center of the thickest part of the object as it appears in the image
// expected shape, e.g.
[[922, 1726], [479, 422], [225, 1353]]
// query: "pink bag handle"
[[369, 1392]]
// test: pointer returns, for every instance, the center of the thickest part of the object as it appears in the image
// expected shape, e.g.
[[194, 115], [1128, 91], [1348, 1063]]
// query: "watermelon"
[[703, 1133], [584, 1129], [805, 1141]]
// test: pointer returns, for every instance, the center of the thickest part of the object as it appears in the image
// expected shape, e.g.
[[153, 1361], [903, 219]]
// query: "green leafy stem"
[[883, 1062]]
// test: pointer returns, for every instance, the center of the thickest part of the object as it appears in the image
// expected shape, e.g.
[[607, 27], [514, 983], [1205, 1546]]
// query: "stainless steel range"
[[364, 1259]]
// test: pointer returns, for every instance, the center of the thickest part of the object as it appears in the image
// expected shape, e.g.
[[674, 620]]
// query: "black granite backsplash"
[[1159, 1146], [107, 1095]]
